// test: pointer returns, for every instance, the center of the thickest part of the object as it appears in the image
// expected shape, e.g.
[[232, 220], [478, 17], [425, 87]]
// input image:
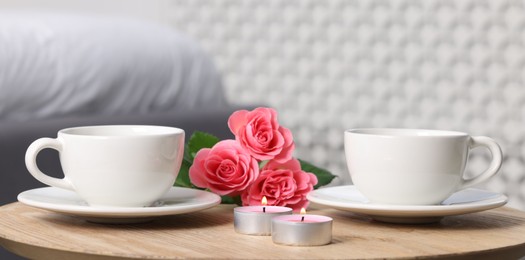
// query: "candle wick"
[[302, 219], [264, 209]]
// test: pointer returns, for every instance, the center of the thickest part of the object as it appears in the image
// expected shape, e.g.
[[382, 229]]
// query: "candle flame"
[[264, 201], [303, 211]]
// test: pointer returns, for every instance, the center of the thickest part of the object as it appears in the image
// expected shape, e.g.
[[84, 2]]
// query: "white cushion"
[[54, 64]]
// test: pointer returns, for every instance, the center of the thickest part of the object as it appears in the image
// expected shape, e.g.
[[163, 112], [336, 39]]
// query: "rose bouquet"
[[257, 164]]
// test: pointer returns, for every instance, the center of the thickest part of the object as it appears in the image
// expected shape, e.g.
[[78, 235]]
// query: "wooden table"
[[36, 233]]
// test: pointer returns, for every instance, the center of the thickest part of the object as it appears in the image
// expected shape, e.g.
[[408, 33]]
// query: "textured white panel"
[[336, 64]]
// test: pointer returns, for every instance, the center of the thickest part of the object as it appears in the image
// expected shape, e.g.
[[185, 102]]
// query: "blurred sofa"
[[61, 70]]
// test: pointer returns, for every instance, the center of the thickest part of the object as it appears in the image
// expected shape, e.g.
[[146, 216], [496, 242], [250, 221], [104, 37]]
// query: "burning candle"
[[302, 230], [257, 220]]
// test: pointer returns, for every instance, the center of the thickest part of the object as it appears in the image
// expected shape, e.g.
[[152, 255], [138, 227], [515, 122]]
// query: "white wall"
[[144, 9]]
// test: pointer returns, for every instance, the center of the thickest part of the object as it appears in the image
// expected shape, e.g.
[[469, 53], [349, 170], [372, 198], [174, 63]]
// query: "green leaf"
[[231, 200], [199, 140], [324, 177], [183, 179], [187, 155], [262, 164]]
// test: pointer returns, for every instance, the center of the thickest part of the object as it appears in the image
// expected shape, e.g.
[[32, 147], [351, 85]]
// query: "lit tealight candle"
[[302, 230], [257, 220]]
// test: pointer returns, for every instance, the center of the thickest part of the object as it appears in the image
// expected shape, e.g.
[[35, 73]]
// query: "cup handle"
[[495, 164], [30, 158]]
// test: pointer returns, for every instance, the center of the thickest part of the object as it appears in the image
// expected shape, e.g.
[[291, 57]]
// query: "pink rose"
[[283, 184], [225, 169], [261, 135]]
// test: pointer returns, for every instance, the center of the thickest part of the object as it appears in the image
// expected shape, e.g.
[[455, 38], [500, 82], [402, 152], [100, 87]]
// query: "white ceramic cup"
[[114, 166], [413, 166]]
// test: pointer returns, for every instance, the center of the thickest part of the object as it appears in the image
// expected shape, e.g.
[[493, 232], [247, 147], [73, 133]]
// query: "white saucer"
[[348, 198], [176, 201]]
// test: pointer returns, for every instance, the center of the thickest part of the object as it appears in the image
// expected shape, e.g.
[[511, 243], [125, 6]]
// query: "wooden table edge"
[[38, 252]]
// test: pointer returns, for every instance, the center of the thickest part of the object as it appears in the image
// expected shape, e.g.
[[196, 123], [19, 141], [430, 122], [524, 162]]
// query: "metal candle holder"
[[257, 220], [302, 230]]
